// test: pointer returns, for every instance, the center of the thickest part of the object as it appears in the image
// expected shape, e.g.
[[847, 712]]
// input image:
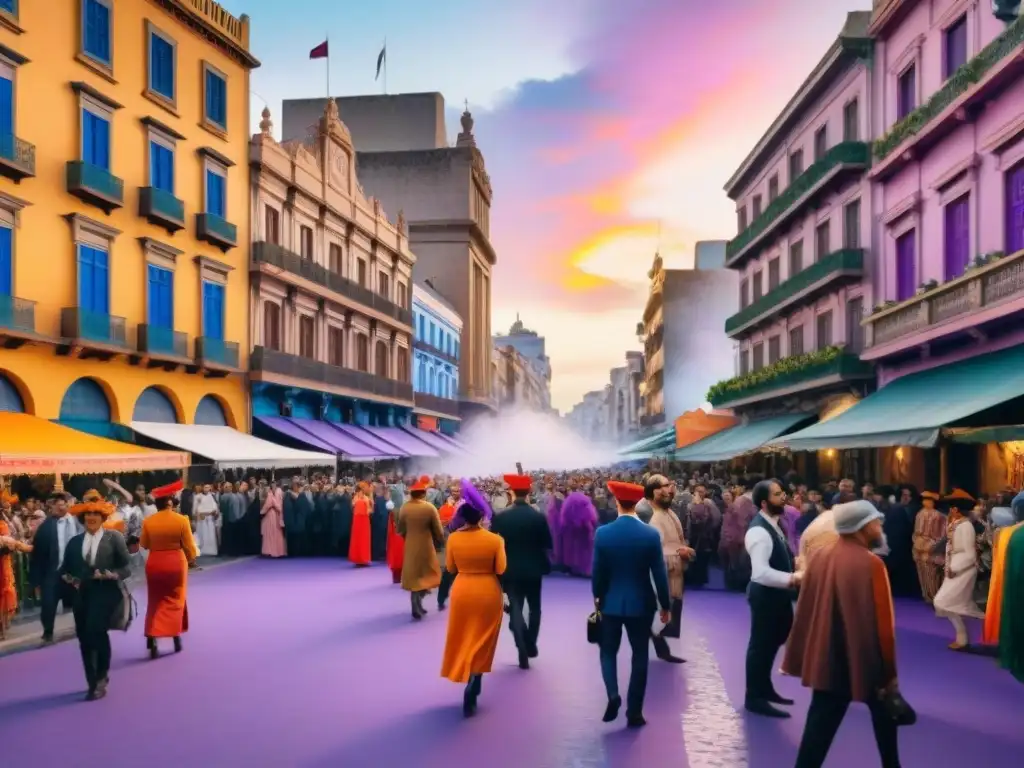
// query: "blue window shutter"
[[213, 311], [216, 99], [161, 66], [93, 280], [215, 193], [103, 143], [161, 167], [102, 282], [6, 261], [87, 137], [6, 115], [97, 30], [161, 297]]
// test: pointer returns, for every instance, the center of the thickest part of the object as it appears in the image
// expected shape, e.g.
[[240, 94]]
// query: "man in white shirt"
[[770, 595]]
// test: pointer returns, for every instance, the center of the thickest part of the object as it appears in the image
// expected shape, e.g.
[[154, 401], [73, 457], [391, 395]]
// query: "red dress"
[[359, 543], [396, 549]]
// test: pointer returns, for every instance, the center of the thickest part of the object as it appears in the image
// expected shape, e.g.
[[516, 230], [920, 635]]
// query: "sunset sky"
[[609, 129]]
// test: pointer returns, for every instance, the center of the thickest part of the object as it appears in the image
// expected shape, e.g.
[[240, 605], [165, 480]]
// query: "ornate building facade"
[[531, 346], [435, 370], [516, 382], [332, 323]]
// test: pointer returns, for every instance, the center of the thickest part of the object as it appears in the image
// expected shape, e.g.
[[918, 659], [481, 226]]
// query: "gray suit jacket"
[[111, 555]]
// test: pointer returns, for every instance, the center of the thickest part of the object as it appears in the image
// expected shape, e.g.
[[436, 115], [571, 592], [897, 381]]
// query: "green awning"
[[982, 435], [741, 439], [661, 442], [913, 409]]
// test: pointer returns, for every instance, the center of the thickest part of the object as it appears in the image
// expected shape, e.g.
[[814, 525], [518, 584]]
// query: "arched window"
[[85, 400], [10, 398], [403, 365], [381, 367], [210, 412], [153, 405]]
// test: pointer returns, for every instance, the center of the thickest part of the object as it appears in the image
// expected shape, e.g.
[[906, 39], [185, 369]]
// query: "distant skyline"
[[608, 129]]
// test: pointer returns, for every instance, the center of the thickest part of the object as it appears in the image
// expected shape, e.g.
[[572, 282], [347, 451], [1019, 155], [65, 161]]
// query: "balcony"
[[274, 255], [17, 158], [430, 349], [980, 296], [162, 344], [162, 209], [293, 366], [971, 87], [837, 164], [828, 274], [94, 331], [813, 370], [217, 354], [17, 321], [216, 231], [95, 186], [435, 404]]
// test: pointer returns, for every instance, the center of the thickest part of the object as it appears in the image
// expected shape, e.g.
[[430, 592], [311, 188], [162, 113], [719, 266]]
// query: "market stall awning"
[[228, 448], [1012, 433], [453, 440], [435, 440], [378, 444], [741, 439], [660, 442], [696, 425], [405, 442], [33, 446], [321, 436], [913, 409]]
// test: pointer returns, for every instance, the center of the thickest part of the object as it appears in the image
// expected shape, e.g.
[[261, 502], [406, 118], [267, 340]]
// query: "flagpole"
[[385, 66], [327, 39]]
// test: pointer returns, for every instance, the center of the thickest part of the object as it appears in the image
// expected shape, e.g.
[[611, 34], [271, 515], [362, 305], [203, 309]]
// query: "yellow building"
[[124, 198]]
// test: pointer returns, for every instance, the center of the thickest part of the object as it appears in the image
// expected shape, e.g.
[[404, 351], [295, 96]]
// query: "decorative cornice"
[[213, 154], [80, 87], [152, 122]]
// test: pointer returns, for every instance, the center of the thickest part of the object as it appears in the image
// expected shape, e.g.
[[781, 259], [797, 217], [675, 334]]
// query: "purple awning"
[[284, 427], [434, 440], [348, 446], [458, 444], [378, 444], [411, 445]]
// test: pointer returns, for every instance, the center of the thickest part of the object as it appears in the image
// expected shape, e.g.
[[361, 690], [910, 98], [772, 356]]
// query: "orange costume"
[[474, 620], [994, 608], [359, 543], [8, 587], [168, 537]]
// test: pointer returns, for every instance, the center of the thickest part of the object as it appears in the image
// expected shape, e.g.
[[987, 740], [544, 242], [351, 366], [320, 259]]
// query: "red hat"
[[167, 490], [628, 492], [519, 482], [420, 485]]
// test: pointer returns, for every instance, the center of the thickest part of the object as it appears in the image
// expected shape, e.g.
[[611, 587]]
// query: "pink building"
[[948, 181], [803, 248]]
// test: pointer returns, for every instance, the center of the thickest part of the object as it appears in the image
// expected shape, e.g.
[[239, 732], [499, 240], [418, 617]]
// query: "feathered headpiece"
[[8, 498], [578, 511], [473, 497], [92, 501]]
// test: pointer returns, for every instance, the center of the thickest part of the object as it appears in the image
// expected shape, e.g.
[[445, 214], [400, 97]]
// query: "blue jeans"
[[638, 632]]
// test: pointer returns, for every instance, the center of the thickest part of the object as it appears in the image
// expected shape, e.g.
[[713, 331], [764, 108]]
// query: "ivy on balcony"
[[968, 75], [847, 152], [788, 371], [844, 260]]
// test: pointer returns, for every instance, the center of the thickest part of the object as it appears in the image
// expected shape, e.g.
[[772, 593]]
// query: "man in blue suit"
[[627, 554]]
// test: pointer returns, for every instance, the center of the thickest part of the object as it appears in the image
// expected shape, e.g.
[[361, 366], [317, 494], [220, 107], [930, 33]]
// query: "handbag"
[[126, 610], [897, 708], [594, 628]]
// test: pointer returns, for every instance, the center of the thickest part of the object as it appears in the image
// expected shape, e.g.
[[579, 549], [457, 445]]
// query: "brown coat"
[[844, 636], [420, 526]]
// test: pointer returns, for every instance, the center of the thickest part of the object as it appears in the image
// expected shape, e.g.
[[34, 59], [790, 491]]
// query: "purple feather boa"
[[471, 495]]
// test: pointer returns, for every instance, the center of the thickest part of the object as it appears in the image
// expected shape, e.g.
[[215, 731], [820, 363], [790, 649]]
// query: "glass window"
[[95, 140], [955, 46], [161, 167], [851, 225], [851, 121], [906, 92], [96, 30], [161, 66], [216, 99], [820, 142], [11, 6]]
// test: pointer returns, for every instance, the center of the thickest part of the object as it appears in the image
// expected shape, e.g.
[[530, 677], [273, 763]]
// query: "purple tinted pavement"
[[307, 664]]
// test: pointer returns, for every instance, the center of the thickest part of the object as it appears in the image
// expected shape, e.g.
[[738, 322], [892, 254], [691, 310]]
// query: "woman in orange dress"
[[477, 557], [359, 542], [8, 546], [168, 537]]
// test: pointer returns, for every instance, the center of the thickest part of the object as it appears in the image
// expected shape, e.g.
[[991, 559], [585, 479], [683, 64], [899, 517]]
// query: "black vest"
[[781, 560]]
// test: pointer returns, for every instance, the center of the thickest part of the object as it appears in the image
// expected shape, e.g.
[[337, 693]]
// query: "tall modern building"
[[124, 211], [531, 347], [435, 369], [404, 160]]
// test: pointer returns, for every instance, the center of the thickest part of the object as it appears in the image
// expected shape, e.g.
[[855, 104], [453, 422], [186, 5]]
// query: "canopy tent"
[[228, 448], [322, 436], [913, 409], [696, 425], [660, 442], [436, 441], [412, 446], [1011, 433], [741, 439], [33, 446]]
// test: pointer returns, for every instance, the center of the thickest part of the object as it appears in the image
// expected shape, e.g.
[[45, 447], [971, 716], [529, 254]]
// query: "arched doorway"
[[154, 406], [210, 412], [10, 397], [85, 400]]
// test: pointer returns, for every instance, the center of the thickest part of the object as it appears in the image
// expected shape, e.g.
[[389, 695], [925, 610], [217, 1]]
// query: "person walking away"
[[94, 564], [447, 513], [659, 491], [168, 537], [955, 598], [579, 523], [477, 556], [770, 596], [48, 548], [528, 542], [627, 556], [843, 643], [420, 529], [396, 544]]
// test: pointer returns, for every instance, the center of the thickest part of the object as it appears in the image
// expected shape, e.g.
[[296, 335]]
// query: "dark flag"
[[382, 60], [320, 52]]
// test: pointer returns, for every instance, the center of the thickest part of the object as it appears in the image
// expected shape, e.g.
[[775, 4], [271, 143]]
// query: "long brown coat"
[[844, 635], [420, 526]]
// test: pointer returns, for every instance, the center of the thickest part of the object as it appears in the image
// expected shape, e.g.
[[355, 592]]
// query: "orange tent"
[[696, 425]]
